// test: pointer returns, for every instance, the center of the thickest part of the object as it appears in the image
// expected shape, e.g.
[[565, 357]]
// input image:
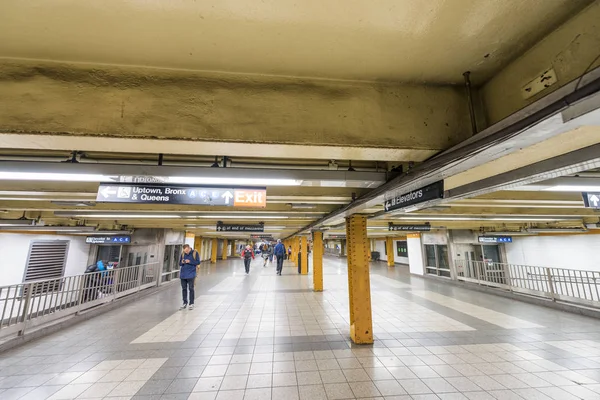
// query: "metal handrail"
[[570, 285], [32, 304]]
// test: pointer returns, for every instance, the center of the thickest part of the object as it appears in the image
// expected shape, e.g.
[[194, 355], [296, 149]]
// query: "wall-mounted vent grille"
[[46, 260]]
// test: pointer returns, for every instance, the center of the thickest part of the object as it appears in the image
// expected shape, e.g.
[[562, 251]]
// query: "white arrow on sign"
[[108, 191], [387, 206], [594, 199], [227, 196]]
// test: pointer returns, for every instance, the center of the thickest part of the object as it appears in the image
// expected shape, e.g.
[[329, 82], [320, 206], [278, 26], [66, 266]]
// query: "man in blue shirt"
[[188, 262], [279, 252]]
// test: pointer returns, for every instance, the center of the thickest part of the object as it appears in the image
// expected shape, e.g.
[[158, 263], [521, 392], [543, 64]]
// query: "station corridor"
[[263, 336]]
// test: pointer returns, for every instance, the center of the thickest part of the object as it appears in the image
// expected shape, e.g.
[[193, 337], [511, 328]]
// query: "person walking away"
[[247, 256], [290, 253], [188, 262], [280, 255]]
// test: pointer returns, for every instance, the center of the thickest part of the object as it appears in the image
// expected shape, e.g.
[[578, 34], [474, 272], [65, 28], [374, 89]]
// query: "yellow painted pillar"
[[198, 246], [225, 249], [214, 250], [304, 255], [318, 261], [295, 246], [389, 246], [343, 247], [359, 284]]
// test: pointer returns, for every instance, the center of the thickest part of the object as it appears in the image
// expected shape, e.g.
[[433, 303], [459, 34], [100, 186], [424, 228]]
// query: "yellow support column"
[[389, 247], [317, 261], [214, 250], [198, 246], [225, 249], [304, 255], [359, 284], [295, 246]]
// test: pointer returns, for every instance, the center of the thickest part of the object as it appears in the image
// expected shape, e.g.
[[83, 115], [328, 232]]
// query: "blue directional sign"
[[495, 239], [108, 239]]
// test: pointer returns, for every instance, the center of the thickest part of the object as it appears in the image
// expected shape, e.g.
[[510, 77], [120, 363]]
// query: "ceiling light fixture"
[[573, 188], [124, 216], [196, 180], [48, 176], [16, 222], [557, 230], [243, 216]]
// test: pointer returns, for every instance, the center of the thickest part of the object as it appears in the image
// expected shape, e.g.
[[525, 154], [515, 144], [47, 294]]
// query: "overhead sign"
[[240, 228], [429, 192], [591, 199], [142, 179], [167, 194], [108, 239], [336, 237], [495, 239], [262, 237], [409, 228]]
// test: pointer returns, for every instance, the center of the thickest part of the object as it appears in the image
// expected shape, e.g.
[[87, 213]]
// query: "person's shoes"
[[183, 307], [191, 307]]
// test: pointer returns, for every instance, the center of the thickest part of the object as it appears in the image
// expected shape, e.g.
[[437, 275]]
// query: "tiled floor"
[[268, 337]]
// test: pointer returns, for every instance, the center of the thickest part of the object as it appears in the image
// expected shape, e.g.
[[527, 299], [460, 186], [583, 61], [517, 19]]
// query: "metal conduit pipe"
[[87, 160], [467, 76]]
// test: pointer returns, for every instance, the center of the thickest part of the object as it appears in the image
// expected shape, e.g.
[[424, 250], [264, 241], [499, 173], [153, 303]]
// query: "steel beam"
[[304, 255], [214, 250], [389, 246], [317, 261], [359, 285]]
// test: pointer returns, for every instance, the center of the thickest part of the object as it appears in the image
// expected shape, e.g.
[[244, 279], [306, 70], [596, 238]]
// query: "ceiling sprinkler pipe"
[[467, 76]]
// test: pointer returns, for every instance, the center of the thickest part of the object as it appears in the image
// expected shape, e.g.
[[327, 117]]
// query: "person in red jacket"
[[247, 256]]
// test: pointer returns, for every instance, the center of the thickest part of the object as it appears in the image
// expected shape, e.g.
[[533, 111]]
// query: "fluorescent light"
[[243, 216], [574, 188], [482, 218], [117, 216], [233, 181], [557, 230], [38, 228], [48, 176], [75, 177], [16, 222]]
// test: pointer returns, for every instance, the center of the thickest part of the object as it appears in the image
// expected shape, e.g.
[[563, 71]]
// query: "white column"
[[415, 254]]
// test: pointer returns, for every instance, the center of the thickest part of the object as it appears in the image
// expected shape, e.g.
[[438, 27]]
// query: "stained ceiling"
[[397, 40]]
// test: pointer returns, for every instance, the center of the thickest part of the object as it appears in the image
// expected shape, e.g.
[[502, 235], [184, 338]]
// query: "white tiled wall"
[[14, 249], [380, 247], [572, 251]]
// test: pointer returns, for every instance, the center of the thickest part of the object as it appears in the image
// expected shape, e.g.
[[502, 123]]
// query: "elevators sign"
[[426, 193], [187, 195]]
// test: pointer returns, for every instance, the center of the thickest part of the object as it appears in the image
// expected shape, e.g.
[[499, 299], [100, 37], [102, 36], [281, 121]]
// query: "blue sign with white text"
[[108, 239], [495, 239]]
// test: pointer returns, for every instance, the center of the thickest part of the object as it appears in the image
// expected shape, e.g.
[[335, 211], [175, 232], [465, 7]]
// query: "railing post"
[[550, 284], [115, 282], [140, 276], [23, 316], [82, 289], [507, 276]]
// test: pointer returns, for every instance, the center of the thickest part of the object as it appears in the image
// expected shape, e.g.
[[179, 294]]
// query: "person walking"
[[279, 252], [188, 262], [247, 256]]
